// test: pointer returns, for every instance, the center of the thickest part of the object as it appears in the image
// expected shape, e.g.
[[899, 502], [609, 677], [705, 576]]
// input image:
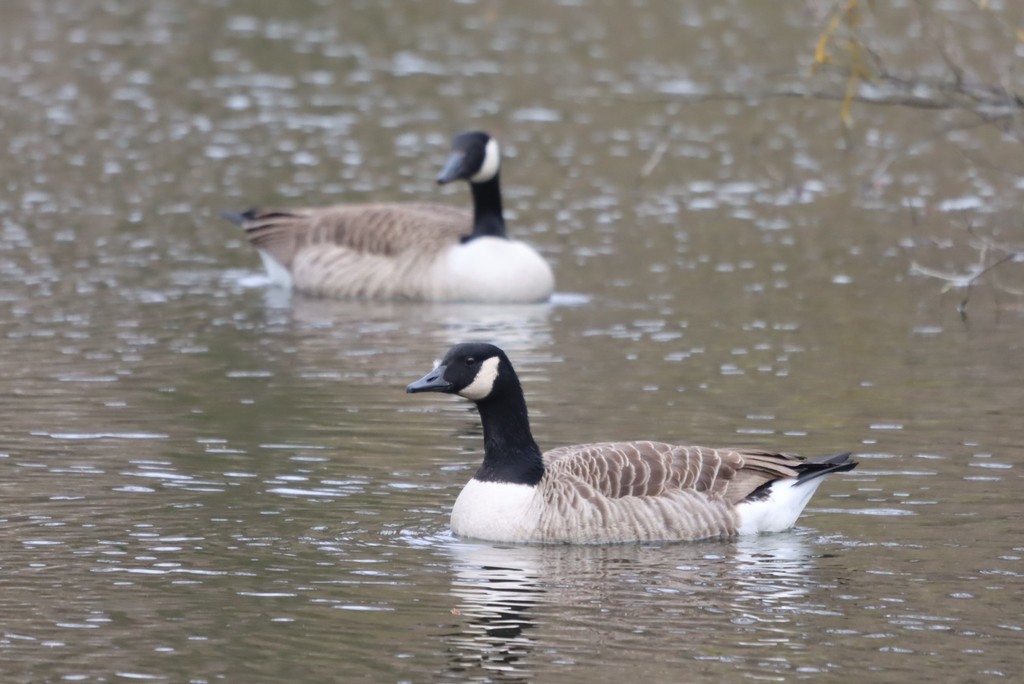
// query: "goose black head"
[[471, 370], [475, 157]]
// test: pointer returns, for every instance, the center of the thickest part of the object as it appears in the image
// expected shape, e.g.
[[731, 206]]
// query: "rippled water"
[[204, 479]]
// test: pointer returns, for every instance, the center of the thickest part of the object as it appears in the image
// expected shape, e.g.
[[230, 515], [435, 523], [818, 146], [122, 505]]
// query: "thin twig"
[[911, 148], [659, 151]]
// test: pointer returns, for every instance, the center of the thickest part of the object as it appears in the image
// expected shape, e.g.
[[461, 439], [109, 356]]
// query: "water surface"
[[207, 480]]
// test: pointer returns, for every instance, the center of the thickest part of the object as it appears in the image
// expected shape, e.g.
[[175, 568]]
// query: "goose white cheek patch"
[[483, 383], [492, 159]]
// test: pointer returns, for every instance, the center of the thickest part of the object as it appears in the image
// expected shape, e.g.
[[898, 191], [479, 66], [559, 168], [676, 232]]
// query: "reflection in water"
[[522, 327], [497, 589], [771, 569], [510, 598]]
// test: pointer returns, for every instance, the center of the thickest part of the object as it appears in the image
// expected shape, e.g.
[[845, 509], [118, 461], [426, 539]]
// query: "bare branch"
[[965, 280]]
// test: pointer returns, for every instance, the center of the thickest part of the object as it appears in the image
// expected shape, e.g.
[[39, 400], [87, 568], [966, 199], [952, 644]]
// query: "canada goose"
[[425, 252], [613, 491]]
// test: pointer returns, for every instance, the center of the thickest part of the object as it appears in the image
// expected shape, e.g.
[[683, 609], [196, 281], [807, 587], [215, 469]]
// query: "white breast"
[[496, 510], [490, 269]]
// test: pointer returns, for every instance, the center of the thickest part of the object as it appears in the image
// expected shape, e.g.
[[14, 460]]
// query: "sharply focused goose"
[[613, 491], [424, 252]]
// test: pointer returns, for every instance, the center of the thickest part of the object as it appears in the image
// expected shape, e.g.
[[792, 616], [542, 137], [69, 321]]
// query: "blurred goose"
[[613, 491], [424, 252]]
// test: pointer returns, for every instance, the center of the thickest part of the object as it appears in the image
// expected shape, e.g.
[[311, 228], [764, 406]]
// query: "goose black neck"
[[487, 214], [510, 453]]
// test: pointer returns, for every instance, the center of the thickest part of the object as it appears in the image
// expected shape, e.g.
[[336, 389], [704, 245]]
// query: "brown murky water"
[[204, 480]]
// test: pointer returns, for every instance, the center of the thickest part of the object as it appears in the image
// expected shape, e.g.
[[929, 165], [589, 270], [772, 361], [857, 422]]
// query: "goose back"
[[379, 229], [366, 251], [625, 491]]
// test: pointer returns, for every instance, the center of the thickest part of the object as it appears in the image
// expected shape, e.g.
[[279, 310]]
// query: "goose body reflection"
[[654, 596], [495, 592]]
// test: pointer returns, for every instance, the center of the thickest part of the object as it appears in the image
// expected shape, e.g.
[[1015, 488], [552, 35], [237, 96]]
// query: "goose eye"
[[470, 361]]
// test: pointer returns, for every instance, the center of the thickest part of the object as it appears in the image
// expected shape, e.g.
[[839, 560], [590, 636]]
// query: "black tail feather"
[[811, 469], [240, 217], [823, 465]]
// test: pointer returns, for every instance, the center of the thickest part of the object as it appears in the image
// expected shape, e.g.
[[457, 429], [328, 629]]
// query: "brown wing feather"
[[382, 229], [621, 469]]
